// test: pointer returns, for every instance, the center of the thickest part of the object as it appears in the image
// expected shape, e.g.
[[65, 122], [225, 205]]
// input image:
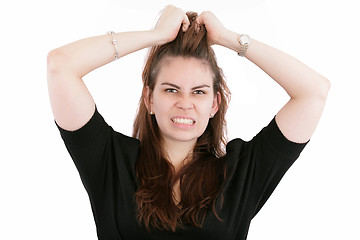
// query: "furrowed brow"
[[177, 87], [170, 84], [200, 86]]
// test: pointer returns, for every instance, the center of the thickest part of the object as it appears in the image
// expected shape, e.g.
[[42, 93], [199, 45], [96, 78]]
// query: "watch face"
[[244, 39]]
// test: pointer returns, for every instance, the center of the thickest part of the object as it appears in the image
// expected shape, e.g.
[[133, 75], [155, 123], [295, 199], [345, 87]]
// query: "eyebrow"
[[177, 87]]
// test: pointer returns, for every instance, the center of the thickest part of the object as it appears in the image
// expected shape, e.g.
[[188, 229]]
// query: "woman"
[[173, 179]]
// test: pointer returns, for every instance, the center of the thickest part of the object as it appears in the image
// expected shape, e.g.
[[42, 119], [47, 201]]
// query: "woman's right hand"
[[170, 21], [71, 101]]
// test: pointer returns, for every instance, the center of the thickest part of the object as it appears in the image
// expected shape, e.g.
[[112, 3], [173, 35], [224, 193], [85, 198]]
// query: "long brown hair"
[[202, 177]]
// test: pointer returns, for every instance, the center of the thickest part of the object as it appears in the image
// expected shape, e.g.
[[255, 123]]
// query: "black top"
[[106, 160]]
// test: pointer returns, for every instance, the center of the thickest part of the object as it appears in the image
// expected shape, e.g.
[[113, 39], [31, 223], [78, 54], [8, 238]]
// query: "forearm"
[[296, 78], [71, 101], [308, 90], [83, 56]]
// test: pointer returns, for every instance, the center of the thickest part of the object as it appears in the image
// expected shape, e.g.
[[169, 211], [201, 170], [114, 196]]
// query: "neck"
[[178, 152]]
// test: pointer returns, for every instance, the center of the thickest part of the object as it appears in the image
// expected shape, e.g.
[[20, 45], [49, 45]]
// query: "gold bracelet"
[[114, 42]]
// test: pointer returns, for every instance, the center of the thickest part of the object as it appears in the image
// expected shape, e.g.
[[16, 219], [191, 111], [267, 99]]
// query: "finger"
[[200, 19], [197, 25], [185, 23]]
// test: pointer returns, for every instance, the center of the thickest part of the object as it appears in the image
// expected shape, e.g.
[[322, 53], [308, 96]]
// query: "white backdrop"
[[42, 196]]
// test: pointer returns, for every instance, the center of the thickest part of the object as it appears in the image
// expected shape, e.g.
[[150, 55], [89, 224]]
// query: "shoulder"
[[97, 132], [270, 142]]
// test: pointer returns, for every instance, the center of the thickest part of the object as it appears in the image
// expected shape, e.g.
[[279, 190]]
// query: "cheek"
[[206, 106], [161, 104], [204, 111]]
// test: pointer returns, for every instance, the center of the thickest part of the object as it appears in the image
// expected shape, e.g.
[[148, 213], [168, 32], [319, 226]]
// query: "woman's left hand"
[[215, 29]]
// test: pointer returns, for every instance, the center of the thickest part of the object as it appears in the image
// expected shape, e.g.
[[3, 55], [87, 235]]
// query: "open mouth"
[[184, 121]]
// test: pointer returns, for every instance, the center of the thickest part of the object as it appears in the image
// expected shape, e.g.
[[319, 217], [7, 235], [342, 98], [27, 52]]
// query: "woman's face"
[[183, 99]]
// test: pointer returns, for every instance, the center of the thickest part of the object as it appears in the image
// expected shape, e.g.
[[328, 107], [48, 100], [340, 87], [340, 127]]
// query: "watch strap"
[[243, 44]]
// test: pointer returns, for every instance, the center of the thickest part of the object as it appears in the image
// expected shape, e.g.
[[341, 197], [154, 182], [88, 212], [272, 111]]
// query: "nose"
[[185, 103]]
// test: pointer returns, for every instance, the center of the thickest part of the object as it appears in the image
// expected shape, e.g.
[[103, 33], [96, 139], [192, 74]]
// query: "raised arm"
[[71, 102], [307, 89]]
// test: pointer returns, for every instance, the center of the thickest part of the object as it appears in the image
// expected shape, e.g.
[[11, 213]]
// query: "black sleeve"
[[88, 147], [274, 156]]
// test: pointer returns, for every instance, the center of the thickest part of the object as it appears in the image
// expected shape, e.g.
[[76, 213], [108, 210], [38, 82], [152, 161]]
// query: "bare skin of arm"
[[71, 102], [307, 89]]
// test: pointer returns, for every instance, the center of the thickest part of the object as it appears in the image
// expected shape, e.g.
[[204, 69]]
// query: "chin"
[[183, 138]]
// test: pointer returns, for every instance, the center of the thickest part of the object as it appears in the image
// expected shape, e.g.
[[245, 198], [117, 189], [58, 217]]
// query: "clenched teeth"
[[183, 121]]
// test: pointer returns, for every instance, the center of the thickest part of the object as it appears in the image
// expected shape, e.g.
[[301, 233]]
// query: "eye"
[[199, 92], [171, 90]]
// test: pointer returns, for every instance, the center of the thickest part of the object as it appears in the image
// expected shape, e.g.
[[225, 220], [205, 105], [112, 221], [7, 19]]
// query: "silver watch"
[[244, 41]]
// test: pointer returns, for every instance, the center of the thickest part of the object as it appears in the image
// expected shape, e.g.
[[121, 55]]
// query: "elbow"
[[58, 62], [55, 61], [325, 88], [317, 89]]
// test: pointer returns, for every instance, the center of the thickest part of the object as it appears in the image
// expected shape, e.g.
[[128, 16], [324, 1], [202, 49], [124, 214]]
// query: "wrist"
[[160, 37], [230, 40], [236, 42]]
